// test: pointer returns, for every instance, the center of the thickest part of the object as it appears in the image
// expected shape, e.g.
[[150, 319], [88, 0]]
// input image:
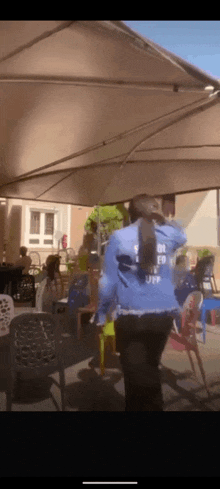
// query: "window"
[[35, 223], [41, 227], [49, 223]]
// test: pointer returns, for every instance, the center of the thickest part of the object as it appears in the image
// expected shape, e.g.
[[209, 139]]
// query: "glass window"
[[35, 222], [49, 223]]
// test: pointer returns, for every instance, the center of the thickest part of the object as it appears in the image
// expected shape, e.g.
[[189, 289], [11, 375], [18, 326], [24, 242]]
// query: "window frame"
[[41, 237]]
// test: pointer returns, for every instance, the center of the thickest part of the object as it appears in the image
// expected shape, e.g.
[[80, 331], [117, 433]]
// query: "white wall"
[[198, 213]]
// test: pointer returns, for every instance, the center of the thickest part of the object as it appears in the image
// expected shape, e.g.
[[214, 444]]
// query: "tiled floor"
[[86, 390]]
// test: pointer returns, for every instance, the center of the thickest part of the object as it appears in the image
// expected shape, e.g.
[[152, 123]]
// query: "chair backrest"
[[204, 270], [78, 292], [79, 281], [35, 257], [6, 313], [185, 284], [39, 295], [63, 256], [194, 300], [94, 276], [190, 313], [70, 253], [25, 290], [34, 342]]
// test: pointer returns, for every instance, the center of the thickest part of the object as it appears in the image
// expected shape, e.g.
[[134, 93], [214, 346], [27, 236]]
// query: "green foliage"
[[70, 266], [204, 252], [111, 218]]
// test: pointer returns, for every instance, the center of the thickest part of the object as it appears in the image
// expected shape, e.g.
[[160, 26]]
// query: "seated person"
[[25, 261]]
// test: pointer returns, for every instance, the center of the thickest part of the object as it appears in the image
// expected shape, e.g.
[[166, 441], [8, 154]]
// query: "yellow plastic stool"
[[107, 334]]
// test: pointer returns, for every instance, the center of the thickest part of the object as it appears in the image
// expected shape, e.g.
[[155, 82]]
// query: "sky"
[[195, 41]]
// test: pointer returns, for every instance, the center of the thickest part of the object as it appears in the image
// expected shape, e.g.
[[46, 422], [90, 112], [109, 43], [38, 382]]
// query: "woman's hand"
[[158, 218]]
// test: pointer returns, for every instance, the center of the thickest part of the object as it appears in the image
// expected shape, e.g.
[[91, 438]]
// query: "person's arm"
[[174, 233], [107, 282]]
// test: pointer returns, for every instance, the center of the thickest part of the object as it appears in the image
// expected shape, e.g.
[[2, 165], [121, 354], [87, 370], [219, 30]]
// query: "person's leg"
[[141, 343]]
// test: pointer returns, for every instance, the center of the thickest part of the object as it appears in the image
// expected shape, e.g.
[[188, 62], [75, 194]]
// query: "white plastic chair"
[[6, 313], [39, 296]]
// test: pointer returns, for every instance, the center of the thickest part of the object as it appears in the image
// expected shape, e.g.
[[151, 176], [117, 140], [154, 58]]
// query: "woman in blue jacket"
[[137, 279]]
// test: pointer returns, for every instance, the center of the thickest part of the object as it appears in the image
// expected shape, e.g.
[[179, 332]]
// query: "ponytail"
[[147, 244], [144, 208]]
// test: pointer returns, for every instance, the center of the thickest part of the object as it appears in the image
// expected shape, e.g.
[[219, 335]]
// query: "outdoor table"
[[8, 276], [209, 304]]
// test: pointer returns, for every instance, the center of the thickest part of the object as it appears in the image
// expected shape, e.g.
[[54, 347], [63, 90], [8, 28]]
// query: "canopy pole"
[[215, 98], [102, 82], [99, 232]]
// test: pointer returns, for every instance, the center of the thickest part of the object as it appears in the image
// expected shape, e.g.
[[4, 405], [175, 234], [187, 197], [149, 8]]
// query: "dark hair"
[[23, 250], [144, 207], [52, 265], [181, 259]]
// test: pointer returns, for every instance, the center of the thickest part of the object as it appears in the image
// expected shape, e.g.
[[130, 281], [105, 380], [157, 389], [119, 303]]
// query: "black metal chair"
[[24, 290], [35, 351], [204, 273]]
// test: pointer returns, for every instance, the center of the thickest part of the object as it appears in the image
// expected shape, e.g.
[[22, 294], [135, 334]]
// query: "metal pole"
[[100, 82], [99, 233], [211, 101], [106, 142]]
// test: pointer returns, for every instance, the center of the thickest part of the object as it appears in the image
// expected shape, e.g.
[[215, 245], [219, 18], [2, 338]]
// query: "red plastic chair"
[[186, 339]]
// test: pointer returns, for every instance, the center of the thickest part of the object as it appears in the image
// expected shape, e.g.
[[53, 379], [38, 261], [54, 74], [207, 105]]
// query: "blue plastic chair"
[[209, 304]]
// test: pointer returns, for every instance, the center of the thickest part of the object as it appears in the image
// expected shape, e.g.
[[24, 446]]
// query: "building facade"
[[40, 227]]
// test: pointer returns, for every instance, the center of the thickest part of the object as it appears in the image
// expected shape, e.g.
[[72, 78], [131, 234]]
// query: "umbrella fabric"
[[92, 112]]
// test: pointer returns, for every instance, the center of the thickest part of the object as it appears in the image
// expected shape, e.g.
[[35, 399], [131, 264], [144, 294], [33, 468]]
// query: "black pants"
[[140, 342]]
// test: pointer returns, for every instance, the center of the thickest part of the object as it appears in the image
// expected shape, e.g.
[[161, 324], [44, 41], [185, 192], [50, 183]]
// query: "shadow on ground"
[[95, 393], [91, 392], [197, 397]]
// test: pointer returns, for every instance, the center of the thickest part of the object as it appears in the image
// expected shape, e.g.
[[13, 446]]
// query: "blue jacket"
[[124, 287]]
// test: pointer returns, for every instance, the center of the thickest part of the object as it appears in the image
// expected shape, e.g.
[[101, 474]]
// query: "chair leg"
[[113, 345], [10, 391], [191, 361], [102, 353], [78, 325], [201, 369], [213, 317], [62, 387], [215, 286]]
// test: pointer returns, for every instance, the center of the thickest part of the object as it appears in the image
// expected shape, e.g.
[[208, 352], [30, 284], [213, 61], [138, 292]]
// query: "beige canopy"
[[92, 112]]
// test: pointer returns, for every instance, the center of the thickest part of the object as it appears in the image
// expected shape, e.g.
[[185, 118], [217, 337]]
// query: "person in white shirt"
[[24, 260]]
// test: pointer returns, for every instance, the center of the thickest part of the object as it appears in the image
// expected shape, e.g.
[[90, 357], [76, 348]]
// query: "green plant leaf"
[[110, 216]]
